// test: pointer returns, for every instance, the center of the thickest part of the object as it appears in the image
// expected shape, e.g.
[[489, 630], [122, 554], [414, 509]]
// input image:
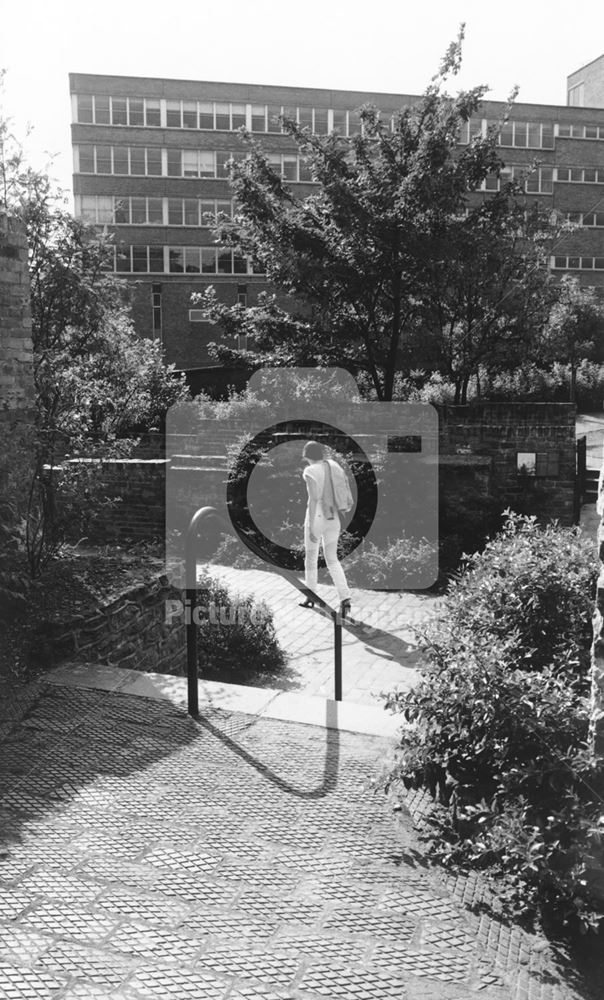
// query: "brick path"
[[235, 858], [378, 654]]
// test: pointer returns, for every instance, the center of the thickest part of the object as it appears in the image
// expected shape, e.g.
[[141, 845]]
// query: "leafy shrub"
[[532, 383], [271, 388], [372, 565], [497, 727], [385, 565], [532, 586], [504, 752], [417, 387], [239, 404], [236, 636]]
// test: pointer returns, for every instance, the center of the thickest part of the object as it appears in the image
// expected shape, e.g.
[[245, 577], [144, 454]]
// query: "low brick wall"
[[128, 630], [134, 491], [502, 431], [493, 434]]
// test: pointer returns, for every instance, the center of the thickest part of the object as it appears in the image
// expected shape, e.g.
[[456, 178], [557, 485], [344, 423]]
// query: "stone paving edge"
[[267, 703]]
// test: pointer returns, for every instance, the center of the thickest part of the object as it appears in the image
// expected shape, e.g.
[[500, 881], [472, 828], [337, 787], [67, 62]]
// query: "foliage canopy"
[[394, 243]]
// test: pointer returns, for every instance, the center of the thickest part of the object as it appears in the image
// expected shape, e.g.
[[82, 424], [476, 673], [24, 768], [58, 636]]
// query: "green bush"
[[529, 383], [532, 383], [532, 586], [236, 638], [504, 753], [384, 566], [242, 405], [497, 728]]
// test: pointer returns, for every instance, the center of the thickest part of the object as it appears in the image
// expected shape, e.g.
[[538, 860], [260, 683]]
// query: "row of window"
[[224, 260], [155, 162], [105, 209], [580, 175], [538, 181], [209, 115], [527, 135], [230, 115], [181, 260], [118, 110], [581, 131], [152, 161], [143, 161], [591, 220], [578, 263], [203, 212], [541, 180]]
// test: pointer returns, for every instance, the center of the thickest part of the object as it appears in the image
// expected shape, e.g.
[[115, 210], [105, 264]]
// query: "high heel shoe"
[[307, 603], [345, 608]]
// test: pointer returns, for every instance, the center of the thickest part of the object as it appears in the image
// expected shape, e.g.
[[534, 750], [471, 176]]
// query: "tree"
[[360, 259], [490, 288], [574, 328], [95, 379]]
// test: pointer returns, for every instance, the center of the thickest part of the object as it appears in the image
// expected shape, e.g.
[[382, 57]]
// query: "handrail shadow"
[[330, 767]]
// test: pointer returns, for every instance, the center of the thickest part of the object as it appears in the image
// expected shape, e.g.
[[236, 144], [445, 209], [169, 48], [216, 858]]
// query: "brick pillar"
[[16, 365]]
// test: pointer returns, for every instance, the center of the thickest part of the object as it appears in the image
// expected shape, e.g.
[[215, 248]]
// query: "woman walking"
[[322, 525]]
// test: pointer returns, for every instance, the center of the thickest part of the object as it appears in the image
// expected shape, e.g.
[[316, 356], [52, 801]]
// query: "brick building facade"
[[151, 155]]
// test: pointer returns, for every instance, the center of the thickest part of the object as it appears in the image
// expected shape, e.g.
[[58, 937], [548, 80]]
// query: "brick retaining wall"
[[128, 630]]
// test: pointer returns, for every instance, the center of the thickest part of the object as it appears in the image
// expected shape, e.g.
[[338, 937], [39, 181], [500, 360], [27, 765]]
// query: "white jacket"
[[342, 493]]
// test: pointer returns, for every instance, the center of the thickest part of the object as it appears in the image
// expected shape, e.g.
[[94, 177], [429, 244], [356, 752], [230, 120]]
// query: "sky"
[[375, 45]]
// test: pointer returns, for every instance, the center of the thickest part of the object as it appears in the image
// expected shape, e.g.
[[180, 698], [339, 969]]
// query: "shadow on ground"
[[72, 746]]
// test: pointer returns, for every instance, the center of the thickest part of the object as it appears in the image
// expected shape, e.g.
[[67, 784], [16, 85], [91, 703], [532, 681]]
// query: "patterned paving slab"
[[146, 856]]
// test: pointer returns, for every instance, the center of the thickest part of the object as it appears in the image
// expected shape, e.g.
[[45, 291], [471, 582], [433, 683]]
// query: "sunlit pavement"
[[235, 857], [380, 647]]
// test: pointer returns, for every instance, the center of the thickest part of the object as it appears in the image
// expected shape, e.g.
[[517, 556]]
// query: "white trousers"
[[327, 533]]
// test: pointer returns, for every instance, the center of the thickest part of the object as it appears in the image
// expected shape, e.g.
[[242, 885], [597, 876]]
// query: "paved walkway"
[[379, 652], [238, 857]]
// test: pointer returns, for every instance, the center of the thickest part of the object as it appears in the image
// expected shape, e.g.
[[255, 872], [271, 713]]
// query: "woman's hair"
[[313, 450]]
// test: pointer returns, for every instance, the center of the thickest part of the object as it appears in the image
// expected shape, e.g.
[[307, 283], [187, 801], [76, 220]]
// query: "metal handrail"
[[204, 515]]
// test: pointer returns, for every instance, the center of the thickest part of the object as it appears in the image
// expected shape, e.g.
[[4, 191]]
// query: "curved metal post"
[[201, 517]]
